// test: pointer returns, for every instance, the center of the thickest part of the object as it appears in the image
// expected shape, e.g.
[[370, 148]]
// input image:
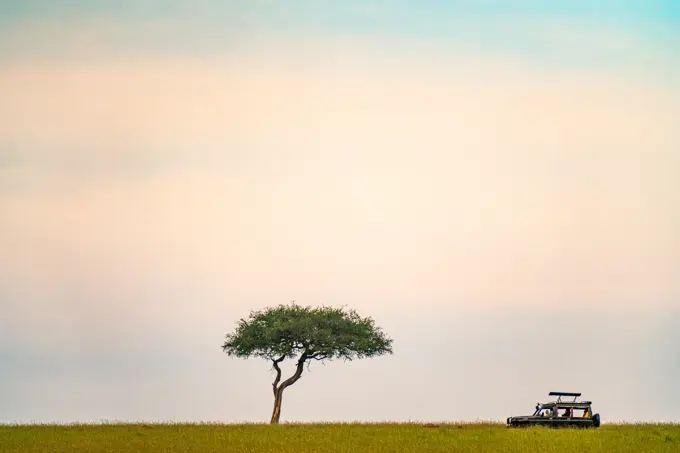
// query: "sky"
[[494, 182]]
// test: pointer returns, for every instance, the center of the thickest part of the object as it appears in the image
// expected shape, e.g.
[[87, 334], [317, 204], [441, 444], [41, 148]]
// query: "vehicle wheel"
[[596, 420]]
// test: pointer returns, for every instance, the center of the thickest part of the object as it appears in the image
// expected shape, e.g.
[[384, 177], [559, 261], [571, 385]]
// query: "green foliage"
[[286, 331], [336, 438]]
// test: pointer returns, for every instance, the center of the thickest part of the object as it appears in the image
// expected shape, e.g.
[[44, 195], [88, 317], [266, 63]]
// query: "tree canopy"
[[308, 333], [320, 333]]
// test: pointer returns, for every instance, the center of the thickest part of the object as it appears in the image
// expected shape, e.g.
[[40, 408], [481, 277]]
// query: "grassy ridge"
[[325, 438]]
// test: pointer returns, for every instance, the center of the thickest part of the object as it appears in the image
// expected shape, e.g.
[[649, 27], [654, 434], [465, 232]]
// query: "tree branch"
[[298, 371], [278, 372]]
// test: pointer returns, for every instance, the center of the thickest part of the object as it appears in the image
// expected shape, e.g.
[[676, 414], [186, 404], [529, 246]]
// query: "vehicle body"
[[558, 413]]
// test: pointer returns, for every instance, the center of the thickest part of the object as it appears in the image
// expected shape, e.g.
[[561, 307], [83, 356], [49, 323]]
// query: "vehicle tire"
[[596, 420]]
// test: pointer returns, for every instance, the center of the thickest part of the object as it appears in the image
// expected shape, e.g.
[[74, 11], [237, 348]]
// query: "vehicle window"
[[581, 412], [544, 412]]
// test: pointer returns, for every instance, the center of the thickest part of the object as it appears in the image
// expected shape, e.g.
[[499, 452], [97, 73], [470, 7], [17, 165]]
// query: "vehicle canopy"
[[560, 404]]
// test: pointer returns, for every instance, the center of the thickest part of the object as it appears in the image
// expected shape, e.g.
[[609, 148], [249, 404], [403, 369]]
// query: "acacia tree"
[[304, 334]]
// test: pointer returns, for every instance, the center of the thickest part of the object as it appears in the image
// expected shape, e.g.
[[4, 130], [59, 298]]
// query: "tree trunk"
[[276, 413], [279, 388]]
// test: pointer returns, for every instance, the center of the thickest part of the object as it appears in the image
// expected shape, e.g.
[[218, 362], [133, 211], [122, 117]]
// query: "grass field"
[[323, 438]]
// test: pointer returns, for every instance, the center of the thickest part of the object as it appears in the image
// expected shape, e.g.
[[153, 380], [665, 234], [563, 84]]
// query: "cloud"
[[576, 36], [454, 364], [223, 101], [460, 180]]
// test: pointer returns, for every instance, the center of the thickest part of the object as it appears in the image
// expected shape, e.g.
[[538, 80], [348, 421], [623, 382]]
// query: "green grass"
[[325, 438]]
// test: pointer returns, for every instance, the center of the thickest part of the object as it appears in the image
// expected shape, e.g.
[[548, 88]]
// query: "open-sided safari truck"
[[559, 413]]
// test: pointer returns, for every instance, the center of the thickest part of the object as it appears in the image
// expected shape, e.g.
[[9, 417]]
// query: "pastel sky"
[[495, 182]]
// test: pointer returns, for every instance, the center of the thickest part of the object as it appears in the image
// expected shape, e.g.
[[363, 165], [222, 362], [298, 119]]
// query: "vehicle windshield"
[[543, 412]]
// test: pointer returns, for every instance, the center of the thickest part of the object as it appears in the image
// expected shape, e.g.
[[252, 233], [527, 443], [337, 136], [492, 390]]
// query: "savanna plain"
[[351, 437]]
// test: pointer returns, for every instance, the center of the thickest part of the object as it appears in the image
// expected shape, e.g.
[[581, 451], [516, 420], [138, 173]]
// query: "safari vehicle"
[[559, 413]]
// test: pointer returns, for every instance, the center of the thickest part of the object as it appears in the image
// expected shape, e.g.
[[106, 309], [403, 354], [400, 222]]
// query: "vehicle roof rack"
[[561, 394]]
